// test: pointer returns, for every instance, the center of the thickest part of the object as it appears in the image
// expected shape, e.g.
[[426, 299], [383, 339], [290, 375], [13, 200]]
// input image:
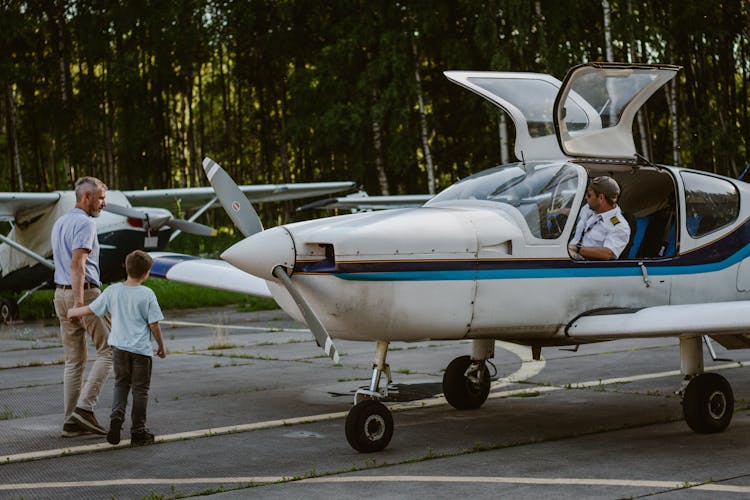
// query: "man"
[[601, 231], [75, 249]]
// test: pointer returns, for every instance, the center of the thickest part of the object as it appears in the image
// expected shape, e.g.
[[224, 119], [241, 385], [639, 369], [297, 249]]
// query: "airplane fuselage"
[[486, 268]]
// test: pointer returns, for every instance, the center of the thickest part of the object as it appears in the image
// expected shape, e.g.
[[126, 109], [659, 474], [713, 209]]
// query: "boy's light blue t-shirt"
[[132, 308]]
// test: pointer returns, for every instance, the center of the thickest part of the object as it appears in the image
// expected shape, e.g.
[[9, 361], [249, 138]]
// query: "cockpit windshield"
[[542, 192]]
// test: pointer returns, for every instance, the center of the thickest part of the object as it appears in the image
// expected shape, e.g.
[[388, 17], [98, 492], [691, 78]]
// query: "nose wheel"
[[8, 311], [369, 426]]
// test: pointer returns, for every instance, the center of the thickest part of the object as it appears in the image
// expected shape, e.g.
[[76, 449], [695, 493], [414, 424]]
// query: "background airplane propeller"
[[244, 216], [155, 222]]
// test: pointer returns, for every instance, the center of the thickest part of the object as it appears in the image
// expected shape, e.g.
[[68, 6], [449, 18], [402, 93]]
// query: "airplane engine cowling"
[[262, 252]]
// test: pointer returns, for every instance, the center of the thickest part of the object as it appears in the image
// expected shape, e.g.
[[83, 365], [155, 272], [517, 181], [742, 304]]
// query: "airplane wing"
[[726, 322], [194, 197], [362, 201], [210, 273], [15, 203]]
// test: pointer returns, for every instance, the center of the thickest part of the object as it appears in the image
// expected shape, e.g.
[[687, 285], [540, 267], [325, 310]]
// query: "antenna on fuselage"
[[523, 160], [739, 178]]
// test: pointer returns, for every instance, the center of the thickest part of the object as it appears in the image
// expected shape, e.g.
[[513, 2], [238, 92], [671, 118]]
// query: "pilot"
[[601, 231]]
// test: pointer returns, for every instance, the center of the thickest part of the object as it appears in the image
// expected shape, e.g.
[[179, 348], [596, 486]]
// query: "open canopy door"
[[529, 100], [616, 91]]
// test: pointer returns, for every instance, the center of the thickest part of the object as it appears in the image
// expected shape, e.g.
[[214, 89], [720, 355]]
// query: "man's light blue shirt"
[[132, 308], [72, 231]]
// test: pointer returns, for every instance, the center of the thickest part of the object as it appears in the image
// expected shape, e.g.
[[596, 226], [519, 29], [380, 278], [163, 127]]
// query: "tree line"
[[138, 92]]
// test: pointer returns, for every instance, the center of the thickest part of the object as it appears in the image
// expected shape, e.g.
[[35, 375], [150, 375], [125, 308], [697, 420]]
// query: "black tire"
[[8, 311], [459, 391], [708, 403], [369, 426]]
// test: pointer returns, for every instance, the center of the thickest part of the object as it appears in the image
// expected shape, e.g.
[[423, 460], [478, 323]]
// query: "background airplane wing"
[[362, 201], [210, 273], [189, 198], [726, 322], [14, 203]]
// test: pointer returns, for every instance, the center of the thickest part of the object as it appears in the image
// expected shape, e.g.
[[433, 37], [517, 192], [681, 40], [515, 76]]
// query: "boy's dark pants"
[[131, 370]]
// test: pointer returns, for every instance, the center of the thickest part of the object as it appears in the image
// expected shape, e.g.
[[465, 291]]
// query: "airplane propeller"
[[244, 216], [152, 222], [238, 207]]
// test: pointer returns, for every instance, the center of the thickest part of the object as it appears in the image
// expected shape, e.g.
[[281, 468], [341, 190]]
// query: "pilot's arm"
[[591, 253]]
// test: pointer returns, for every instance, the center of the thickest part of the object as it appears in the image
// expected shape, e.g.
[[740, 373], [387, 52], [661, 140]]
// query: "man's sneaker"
[[71, 430], [141, 438], [113, 436], [87, 419]]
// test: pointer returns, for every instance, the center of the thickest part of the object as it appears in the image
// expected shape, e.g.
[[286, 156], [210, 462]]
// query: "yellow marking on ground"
[[269, 329], [536, 481]]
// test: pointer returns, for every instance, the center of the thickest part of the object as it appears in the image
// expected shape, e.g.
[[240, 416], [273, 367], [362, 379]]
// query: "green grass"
[[171, 295]]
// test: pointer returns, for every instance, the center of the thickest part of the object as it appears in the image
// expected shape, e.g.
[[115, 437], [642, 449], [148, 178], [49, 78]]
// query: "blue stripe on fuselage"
[[723, 253]]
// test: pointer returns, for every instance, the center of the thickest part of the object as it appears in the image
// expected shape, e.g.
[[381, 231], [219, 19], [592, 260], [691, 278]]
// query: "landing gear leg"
[[466, 382], [369, 424], [708, 400]]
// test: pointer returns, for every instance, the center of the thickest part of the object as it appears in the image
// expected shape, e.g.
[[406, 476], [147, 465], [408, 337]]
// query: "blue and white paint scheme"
[[465, 265]]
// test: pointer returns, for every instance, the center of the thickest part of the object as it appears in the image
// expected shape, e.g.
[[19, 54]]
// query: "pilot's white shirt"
[[608, 229]]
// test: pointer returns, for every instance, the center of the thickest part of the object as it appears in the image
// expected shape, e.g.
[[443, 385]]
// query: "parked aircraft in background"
[[25, 252], [487, 259], [361, 202]]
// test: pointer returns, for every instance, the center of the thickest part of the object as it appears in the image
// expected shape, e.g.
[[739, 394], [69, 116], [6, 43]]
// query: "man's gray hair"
[[88, 185]]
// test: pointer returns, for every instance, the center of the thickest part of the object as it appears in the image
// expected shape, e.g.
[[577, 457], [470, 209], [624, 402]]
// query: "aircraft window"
[[543, 193], [609, 95], [711, 203], [535, 99]]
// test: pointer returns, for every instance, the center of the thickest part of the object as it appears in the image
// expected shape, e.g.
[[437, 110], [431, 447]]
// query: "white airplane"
[[464, 265], [25, 252]]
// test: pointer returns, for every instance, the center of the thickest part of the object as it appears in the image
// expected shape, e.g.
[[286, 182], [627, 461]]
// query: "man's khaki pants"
[[73, 333]]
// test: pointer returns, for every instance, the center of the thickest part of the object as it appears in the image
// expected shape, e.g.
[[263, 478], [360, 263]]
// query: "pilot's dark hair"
[[607, 186], [88, 185], [137, 263]]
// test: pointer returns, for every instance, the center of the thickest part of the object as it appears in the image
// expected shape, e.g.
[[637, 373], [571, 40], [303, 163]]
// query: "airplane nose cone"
[[260, 253]]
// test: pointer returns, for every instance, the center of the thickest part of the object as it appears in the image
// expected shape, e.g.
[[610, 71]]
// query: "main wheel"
[[8, 310], [462, 393], [708, 403], [369, 426]]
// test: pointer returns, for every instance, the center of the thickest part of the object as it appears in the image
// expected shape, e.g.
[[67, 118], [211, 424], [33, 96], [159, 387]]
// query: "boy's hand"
[[161, 352]]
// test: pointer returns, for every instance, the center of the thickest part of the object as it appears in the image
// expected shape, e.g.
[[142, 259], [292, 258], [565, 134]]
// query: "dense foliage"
[[137, 92]]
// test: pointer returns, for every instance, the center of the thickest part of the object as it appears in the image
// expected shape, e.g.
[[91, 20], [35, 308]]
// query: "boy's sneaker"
[[113, 436], [87, 419], [141, 438], [71, 430]]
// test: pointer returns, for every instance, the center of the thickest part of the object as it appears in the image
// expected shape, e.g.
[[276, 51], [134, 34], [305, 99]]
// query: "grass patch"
[[171, 295]]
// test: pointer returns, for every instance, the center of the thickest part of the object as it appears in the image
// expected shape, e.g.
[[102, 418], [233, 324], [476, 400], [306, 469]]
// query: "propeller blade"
[[238, 207], [125, 211], [316, 327], [190, 227]]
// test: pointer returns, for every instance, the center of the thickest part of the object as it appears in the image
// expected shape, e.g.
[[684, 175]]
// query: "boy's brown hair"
[[137, 263]]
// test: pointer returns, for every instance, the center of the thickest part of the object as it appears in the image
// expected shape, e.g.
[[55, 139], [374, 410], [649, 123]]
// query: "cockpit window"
[[711, 203], [542, 192]]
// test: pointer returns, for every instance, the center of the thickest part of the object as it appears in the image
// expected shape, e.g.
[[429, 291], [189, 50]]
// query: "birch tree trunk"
[[502, 129], [378, 143], [63, 65], [10, 101], [423, 124]]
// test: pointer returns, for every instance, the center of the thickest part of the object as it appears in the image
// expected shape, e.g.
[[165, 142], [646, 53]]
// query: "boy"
[[135, 317]]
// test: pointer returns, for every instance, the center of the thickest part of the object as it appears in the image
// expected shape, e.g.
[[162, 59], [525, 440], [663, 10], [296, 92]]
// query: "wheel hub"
[[374, 427], [717, 404]]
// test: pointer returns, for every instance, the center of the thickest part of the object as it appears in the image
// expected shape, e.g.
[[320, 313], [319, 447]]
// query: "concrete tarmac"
[[247, 406]]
